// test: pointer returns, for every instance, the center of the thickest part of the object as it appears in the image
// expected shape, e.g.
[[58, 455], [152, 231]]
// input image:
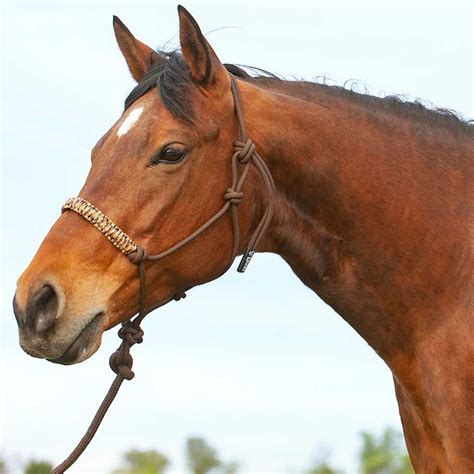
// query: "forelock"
[[171, 77]]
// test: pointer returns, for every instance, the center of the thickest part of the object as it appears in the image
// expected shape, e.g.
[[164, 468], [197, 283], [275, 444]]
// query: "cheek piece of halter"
[[131, 333]]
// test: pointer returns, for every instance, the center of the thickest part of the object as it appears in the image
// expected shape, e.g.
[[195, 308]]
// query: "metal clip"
[[244, 263]]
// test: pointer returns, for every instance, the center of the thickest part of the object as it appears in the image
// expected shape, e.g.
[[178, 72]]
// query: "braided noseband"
[[100, 221], [121, 361]]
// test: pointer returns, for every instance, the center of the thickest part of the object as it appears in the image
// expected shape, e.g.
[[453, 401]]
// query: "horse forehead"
[[130, 120], [141, 111]]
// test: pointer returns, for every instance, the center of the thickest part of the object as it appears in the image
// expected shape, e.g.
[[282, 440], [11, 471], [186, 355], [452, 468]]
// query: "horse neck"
[[359, 209]]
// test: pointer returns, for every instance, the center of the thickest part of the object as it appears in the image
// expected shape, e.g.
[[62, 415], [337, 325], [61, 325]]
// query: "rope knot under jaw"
[[138, 255], [121, 361], [233, 196], [244, 151], [131, 334]]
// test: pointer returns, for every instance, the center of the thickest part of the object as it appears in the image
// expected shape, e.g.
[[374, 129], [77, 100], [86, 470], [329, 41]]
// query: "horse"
[[369, 200]]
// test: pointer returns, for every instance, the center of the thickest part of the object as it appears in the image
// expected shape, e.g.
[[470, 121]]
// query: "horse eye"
[[169, 155]]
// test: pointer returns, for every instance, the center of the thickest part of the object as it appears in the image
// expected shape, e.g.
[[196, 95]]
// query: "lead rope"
[[121, 361]]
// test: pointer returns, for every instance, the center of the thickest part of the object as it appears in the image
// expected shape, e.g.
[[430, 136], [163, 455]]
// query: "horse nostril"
[[16, 311], [43, 309]]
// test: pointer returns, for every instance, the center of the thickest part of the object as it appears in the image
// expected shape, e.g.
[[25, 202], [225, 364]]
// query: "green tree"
[[322, 466], [384, 454], [201, 457], [3, 466], [38, 467], [143, 462]]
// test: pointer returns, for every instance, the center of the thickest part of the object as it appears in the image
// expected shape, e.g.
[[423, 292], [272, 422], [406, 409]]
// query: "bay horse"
[[372, 208]]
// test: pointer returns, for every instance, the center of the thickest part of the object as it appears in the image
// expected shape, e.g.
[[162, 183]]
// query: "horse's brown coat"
[[374, 212]]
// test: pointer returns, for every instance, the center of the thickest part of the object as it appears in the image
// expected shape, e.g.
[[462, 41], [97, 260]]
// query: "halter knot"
[[244, 151], [179, 295], [131, 334], [233, 196], [121, 361], [138, 255]]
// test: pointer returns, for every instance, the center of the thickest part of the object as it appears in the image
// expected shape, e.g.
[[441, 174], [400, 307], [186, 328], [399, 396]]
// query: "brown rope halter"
[[131, 333]]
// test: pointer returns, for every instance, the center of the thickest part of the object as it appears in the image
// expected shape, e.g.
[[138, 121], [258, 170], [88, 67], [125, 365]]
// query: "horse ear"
[[138, 55], [204, 65]]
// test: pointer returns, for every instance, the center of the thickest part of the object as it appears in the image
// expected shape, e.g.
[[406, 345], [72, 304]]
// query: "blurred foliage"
[[200, 457], [379, 454], [323, 468], [143, 462], [384, 454], [38, 467], [3, 466]]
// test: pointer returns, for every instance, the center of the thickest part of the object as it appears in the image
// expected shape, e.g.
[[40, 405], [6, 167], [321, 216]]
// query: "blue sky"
[[257, 364]]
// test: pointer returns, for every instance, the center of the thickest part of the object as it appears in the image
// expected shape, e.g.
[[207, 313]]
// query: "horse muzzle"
[[45, 333]]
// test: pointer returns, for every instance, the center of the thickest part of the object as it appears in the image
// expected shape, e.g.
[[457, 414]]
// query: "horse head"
[[161, 172]]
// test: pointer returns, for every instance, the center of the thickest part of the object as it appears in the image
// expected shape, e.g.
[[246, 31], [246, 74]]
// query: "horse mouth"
[[83, 345]]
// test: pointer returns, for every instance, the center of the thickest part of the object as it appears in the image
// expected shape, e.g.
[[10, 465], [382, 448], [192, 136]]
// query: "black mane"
[[171, 78]]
